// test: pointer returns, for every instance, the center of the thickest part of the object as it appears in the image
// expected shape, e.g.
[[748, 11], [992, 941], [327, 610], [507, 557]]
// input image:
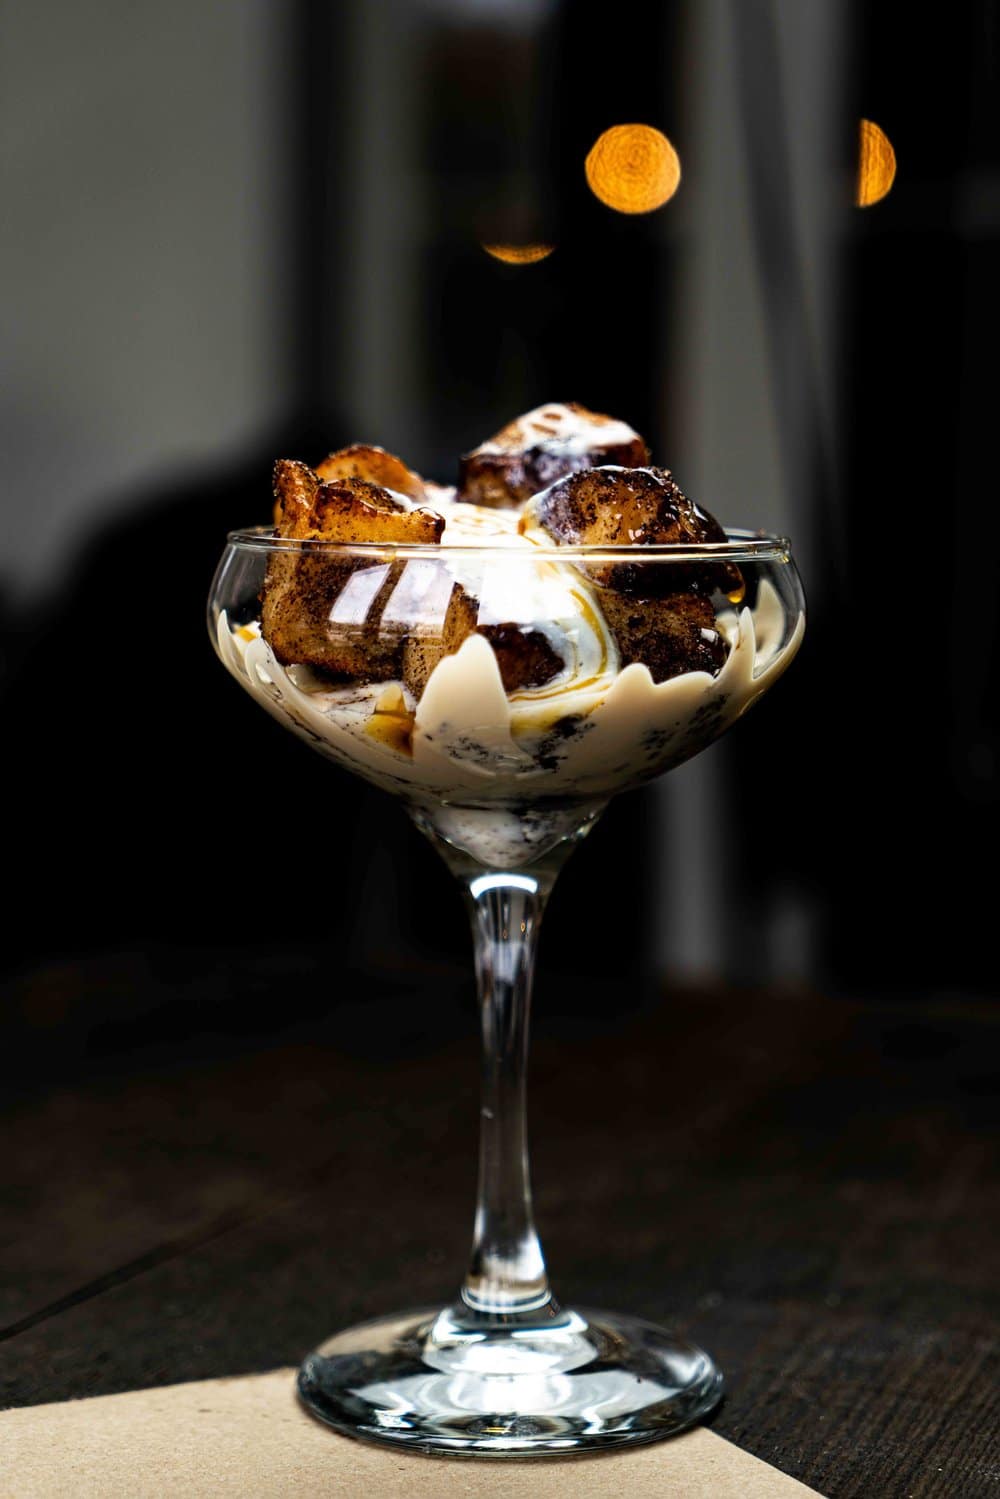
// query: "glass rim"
[[741, 546]]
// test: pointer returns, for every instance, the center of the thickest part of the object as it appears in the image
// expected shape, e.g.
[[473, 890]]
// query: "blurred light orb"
[[876, 164], [633, 168], [519, 254]]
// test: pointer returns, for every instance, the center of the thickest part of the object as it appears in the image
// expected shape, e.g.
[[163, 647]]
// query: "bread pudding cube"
[[544, 445], [323, 610]]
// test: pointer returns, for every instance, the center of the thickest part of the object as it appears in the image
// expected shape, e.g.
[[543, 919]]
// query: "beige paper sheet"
[[248, 1437]]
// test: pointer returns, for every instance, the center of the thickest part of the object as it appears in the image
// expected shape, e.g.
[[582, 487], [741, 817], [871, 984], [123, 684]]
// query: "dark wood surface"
[[804, 1185]]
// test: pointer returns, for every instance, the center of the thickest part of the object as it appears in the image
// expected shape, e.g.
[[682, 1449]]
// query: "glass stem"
[[507, 1269]]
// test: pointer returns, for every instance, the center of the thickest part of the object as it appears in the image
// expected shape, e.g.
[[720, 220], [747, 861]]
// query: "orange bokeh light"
[[633, 168], [519, 254], [876, 164]]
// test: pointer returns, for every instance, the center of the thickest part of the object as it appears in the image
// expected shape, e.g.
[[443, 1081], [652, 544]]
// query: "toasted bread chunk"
[[324, 610], [669, 635], [325, 614], [424, 648], [295, 485], [350, 510], [364, 461], [542, 446], [525, 656], [357, 511], [613, 506]]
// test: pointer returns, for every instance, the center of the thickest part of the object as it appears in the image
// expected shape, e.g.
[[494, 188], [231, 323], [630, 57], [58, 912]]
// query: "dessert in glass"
[[505, 656]]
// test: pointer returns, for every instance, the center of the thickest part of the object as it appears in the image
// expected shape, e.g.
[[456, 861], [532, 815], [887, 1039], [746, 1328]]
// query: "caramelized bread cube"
[[669, 635], [660, 613], [542, 446], [525, 656], [613, 506], [424, 648], [357, 511], [350, 510], [364, 461], [295, 485], [324, 610], [325, 614]]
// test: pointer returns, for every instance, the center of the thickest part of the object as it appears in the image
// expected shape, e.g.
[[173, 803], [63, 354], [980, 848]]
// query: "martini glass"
[[506, 778]]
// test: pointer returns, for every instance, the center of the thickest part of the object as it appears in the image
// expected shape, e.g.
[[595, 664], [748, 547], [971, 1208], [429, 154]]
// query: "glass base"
[[468, 1384]]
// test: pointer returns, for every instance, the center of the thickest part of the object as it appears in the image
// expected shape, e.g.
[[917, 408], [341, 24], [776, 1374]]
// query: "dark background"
[[801, 363], [245, 230]]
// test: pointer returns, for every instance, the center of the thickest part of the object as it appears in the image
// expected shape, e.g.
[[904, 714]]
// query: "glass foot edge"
[[612, 1381]]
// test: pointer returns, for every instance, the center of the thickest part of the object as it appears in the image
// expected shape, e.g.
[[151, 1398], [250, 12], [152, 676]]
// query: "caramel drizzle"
[[575, 684]]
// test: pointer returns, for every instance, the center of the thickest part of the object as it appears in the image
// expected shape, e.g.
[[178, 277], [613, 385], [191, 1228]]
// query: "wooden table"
[[804, 1185]]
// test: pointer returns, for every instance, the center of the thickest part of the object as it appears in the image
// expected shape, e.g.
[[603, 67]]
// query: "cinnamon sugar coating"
[[541, 446]]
